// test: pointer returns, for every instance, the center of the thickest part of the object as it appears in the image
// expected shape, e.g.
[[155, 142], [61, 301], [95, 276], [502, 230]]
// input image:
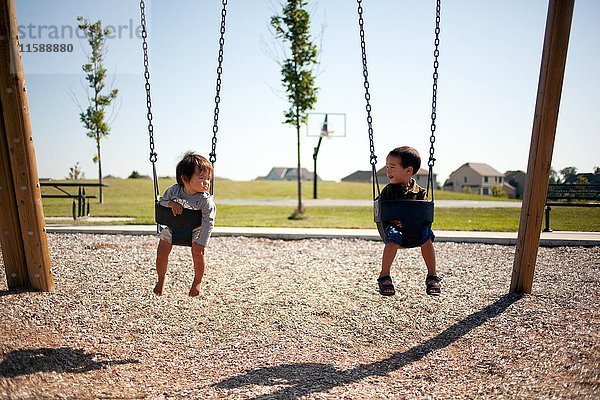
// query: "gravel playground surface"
[[300, 319]]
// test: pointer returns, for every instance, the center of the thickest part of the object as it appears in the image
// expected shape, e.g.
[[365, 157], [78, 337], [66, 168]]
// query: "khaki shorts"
[[166, 234]]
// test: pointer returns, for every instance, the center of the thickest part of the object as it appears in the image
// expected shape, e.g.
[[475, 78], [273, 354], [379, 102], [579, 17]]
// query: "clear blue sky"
[[490, 56]]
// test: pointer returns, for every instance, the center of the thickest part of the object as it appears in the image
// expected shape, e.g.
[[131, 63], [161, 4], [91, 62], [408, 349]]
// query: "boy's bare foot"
[[195, 289], [160, 287]]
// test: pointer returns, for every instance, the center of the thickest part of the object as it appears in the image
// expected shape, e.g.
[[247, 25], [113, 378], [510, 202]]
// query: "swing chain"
[[373, 158], [436, 54], [213, 153], [153, 155]]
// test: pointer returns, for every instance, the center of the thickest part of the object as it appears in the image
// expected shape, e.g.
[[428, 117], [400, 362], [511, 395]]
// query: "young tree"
[[134, 175], [292, 28], [554, 178], [75, 172], [93, 118], [568, 172]]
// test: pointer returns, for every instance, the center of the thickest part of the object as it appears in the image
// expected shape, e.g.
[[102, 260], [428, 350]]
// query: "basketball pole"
[[315, 167]]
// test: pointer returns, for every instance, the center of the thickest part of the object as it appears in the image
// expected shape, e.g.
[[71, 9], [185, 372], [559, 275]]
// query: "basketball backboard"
[[326, 124]]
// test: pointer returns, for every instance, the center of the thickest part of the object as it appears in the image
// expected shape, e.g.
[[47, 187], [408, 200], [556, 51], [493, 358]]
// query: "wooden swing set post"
[[554, 56], [10, 230], [24, 241]]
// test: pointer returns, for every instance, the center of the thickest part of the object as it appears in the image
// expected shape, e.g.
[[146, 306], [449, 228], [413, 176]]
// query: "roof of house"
[[508, 185], [482, 169], [294, 171], [358, 176], [513, 173], [279, 171], [422, 171]]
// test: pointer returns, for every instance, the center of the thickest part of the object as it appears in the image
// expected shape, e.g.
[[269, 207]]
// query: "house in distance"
[[478, 178], [366, 176], [288, 174]]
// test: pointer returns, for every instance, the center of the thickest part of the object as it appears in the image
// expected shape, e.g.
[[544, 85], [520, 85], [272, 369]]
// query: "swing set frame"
[[22, 227]]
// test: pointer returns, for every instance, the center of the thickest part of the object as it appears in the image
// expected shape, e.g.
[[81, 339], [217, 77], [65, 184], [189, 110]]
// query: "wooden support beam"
[[554, 57], [11, 241], [19, 139]]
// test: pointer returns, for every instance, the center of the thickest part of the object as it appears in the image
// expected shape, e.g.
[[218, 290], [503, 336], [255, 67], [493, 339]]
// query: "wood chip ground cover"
[[300, 319]]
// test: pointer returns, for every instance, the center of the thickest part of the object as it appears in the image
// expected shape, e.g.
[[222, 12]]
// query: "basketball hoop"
[[322, 125], [326, 125]]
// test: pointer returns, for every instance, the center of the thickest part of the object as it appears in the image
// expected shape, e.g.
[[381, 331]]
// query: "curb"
[[547, 239]]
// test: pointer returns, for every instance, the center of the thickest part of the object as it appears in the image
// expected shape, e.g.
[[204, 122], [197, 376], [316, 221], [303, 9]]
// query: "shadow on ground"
[[64, 359], [307, 378], [15, 291]]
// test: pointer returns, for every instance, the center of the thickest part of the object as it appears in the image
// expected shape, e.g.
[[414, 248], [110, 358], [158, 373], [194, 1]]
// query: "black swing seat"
[[413, 214], [181, 225]]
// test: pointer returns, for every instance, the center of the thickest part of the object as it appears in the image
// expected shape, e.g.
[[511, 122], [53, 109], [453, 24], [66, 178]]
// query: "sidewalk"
[[557, 238], [364, 203]]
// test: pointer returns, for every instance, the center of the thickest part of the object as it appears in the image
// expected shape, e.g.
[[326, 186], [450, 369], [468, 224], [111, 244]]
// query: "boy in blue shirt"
[[402, 163]]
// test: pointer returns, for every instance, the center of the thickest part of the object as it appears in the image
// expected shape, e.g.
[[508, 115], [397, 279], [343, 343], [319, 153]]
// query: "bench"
[[79, 199], [570, 195]]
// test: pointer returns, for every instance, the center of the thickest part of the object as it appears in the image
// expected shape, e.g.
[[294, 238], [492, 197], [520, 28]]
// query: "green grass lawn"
[[451, 219], [134, 198], [325, 190]]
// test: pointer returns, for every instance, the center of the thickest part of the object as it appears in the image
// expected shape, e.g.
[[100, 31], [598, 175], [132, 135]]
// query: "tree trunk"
[[300, 208], [100, 194], [98, 137]]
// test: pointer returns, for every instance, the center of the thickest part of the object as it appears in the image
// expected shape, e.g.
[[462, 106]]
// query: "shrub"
[[498, 192]]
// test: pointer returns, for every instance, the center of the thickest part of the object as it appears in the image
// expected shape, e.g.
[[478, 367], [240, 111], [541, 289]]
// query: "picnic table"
[[80, 208]]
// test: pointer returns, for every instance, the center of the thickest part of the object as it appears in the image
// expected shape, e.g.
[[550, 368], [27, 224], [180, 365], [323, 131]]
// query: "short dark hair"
[[188, 164], [408, 156]]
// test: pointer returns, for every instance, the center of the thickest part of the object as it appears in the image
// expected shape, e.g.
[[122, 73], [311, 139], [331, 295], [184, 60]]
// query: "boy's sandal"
[[433, 285], [386, 289]]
